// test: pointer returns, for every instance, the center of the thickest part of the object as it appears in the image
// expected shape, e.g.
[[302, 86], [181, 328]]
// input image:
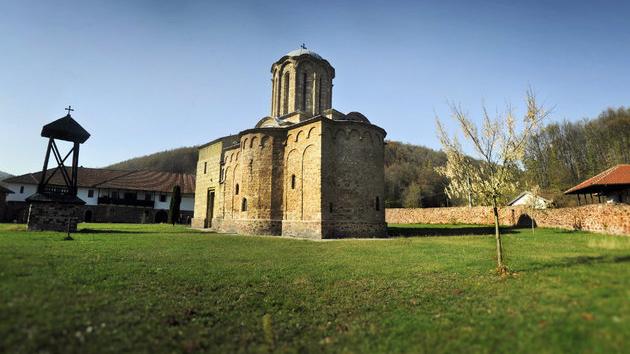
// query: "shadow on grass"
[[110, 231], [424, 231], [576, 261]]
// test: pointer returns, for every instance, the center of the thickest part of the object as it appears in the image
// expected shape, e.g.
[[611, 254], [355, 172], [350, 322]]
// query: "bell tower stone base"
[[53, 216]]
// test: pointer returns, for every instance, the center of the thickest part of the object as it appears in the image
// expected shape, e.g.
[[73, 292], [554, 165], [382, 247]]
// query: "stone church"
[[306, 170]]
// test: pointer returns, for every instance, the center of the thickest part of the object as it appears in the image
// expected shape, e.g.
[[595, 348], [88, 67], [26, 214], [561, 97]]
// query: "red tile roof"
[[153, 181], [617, 175]]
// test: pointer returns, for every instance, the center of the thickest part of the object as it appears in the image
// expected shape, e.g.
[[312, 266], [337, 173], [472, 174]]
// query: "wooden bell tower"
[[55, 206]]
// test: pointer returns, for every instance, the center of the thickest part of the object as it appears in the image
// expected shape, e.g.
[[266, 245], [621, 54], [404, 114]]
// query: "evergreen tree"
[[412, 197], [176, 200]]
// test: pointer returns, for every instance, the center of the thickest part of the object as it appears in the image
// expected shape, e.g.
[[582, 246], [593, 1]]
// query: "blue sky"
[[146, 76]]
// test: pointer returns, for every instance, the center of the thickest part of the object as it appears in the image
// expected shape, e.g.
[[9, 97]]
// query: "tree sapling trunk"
[[501, 268]]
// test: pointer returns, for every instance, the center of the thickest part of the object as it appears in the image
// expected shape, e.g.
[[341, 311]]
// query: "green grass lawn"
[[159, 288]]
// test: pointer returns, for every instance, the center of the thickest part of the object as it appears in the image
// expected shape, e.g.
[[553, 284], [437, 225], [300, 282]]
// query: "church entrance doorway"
[[209, 209]]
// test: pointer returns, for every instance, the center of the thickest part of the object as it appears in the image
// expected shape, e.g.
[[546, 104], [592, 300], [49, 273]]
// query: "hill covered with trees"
[[4, 175], [180, 160], [566, 153], [559, 157], [410, 178]]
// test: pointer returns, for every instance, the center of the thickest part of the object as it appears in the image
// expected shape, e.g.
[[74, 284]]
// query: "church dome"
[[303, 51], [356, 117]]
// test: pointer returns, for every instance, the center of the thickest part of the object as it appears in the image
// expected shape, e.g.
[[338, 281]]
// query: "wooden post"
[[43, 179], [75, 172]]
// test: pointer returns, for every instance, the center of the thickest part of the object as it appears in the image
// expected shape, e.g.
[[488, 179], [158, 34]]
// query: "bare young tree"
[[490, 174]]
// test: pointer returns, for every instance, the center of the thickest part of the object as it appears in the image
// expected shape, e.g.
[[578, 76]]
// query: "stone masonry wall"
[[208, 174], [53, 217], [301, 182], [127, 214], [18, 212], [612, 219], [353, 180], [249, 198]]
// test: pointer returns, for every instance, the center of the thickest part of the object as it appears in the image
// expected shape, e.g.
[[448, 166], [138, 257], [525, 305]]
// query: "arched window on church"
[[304, 84], [377, 204], [236, 190], [285, 92], [278, 83], [244, 204], [319, 95], [292, 181]]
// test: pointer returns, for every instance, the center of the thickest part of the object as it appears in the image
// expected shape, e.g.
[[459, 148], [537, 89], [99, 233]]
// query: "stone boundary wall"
[[611, 219], [18, 212]]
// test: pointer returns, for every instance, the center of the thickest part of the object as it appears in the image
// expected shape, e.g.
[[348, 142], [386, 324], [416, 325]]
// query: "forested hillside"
[[564, 154], [181, 160], [410, 177], [561, 156], [409, 174], [4, 175]]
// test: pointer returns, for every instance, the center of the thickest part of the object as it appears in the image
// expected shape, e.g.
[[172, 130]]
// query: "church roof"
[[226, 140], [355, 117], [302, 51]]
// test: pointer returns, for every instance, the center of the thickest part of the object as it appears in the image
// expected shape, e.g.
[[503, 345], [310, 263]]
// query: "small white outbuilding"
[[529, 199]]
